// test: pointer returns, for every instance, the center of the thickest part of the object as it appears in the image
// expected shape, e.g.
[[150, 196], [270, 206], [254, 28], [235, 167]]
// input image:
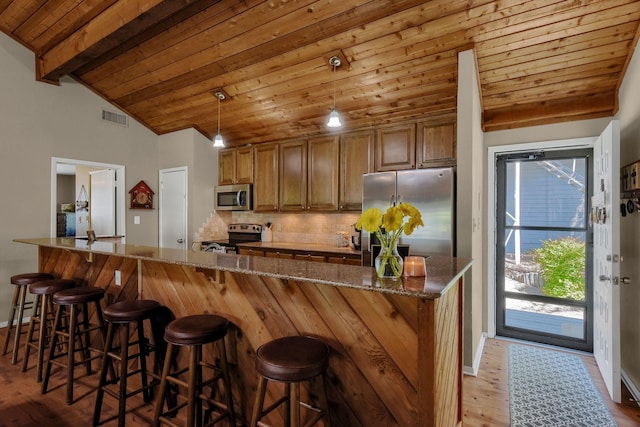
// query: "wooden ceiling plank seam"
[[548, 92], [623, 72], [72, 21], [183, 31], [4, 4], [105, 32], [248, 53], [42, 19], [447, 66], [541, 51], [317, 33], [195, 47], [609, 68], [160, 27], [321, 110], [402, 96], [15, 13], [517, 71], [535, 17], [352, 103], [542, 35], [226, 84]]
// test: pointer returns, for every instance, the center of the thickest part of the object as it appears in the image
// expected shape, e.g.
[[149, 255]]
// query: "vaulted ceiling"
[[539, 61]]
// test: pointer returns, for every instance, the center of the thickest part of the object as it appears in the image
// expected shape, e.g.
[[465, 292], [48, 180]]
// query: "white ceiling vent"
[[116, 118]]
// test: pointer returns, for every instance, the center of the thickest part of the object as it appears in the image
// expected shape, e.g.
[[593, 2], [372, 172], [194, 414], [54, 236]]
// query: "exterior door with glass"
[[543, 249]]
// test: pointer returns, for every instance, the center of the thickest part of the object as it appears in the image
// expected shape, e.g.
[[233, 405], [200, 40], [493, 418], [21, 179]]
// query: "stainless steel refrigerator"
[[432, 191]]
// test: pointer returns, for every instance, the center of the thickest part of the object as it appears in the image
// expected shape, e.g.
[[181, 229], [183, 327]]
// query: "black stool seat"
[[291, 361], [78, 295], [197, 329], [50, 287], [29, 278], [292, 358], [130, 311]]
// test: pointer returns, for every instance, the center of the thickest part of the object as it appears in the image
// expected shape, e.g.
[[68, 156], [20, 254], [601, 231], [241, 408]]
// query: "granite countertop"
[[442, 271], [302, 247]]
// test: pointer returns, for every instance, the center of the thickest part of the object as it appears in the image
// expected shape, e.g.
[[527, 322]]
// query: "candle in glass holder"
[[414, 266]]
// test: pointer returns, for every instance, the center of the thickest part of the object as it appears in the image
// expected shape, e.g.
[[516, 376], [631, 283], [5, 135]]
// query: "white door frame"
[[492, 153], [185, 169], [120, 191]]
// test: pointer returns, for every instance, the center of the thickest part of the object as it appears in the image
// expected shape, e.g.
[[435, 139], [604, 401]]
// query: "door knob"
[[603, 278], [625, 280], [180, 241]]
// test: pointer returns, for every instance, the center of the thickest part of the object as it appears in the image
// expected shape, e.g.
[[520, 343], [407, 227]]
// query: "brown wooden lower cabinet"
[[278, 254], [351, 259]]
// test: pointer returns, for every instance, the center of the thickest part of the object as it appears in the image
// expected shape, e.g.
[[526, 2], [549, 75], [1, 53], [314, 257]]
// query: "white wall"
[[190, 148], [469, 195], [39, 121], [629, 116]]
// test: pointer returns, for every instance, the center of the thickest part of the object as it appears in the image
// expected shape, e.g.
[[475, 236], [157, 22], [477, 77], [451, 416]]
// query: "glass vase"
[[388, 263]]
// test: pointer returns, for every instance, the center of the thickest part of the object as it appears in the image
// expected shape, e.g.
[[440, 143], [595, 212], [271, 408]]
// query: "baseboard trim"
[[473, 370], [635, 392], [6, 322]]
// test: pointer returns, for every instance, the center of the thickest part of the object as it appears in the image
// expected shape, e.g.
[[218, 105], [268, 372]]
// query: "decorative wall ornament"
[[141, 196]]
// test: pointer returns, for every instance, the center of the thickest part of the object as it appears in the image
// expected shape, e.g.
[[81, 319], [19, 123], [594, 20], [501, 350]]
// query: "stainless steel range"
[[238, 233]]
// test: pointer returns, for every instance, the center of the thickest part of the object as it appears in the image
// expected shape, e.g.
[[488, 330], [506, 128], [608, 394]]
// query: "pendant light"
[[334, 117], [217, 140]]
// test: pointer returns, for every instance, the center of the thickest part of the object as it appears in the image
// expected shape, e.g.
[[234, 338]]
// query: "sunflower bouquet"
[[388, 227]]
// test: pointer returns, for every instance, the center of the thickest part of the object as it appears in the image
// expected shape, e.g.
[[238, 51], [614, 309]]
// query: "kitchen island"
[[396, 344]]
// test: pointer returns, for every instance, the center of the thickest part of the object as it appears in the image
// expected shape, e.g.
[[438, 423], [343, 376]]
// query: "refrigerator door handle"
[[399, 199], [392, 201]]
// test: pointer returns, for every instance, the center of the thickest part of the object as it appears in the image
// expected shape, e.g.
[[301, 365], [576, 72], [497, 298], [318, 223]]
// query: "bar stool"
[[194, 332], [122, 314], [291, 360], [72, 301], [18, 302], [42, 314]]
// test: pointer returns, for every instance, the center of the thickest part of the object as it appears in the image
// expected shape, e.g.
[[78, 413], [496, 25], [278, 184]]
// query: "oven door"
[[233, 197]]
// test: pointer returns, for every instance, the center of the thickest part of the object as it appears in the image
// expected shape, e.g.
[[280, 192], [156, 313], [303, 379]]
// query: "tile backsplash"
[[318, 228]]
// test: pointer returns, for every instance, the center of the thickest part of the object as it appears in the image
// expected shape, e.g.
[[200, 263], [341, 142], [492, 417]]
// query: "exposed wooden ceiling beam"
[[115, 30]]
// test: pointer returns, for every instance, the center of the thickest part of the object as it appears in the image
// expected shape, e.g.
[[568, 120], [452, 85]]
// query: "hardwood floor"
[[486, 397]]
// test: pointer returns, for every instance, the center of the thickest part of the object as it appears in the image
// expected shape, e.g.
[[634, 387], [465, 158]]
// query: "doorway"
[[543, 247], [67, 167], [173, 208]]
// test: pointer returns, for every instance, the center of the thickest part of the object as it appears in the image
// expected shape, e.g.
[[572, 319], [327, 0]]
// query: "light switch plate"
[[136, 219]]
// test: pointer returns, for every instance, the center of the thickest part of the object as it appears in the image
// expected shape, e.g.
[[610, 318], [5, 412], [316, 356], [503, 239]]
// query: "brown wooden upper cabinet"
[[235, 166], [396, 148], [322, 178], [293, 176], [436, 145], [309, 175], [356, 159], [266, 188]]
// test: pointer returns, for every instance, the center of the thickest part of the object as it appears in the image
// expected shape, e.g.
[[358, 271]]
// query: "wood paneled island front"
[[396, 345]]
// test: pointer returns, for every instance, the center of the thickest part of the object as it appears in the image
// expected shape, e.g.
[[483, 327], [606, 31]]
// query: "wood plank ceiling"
[[540, 61]]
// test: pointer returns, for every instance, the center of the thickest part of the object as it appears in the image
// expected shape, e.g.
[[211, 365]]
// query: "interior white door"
[[173, 208], [102, 202], [606, 257]]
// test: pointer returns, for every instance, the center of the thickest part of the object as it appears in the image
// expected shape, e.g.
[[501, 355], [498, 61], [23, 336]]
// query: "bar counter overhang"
[[396, 344]]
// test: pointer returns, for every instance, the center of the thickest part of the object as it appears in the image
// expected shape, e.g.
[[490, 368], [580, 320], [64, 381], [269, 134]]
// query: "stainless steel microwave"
[[237, 197]]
